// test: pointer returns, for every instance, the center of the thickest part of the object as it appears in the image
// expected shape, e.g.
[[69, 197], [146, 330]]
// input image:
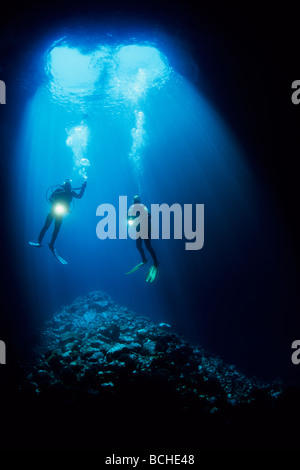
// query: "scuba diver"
[[60, 201], [147, 240]]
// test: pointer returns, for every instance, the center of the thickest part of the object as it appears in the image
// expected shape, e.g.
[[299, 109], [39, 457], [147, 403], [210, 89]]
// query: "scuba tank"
[[57, 188]]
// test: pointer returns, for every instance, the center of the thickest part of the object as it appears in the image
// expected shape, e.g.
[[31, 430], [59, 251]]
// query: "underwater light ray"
[[184, 144], [138, 68], [130, 71], [199, 134], [191, 144]]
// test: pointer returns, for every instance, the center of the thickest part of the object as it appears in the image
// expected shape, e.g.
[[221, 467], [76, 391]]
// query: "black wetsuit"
[[59, 196], [139, 242]]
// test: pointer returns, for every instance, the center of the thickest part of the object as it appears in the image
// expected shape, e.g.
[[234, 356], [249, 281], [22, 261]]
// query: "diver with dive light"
[[152, 273], [60, 201]]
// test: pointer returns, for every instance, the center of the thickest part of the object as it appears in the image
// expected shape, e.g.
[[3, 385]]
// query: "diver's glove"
[[84, 184]]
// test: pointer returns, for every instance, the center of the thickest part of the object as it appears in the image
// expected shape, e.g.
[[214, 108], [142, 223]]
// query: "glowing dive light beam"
[[60, 209]]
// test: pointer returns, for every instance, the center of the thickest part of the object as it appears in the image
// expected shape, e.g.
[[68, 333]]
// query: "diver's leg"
[[151, 251], [58, 222], [47, 224], [139, 242]]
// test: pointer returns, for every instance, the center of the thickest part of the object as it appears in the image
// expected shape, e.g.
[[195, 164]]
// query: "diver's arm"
[[79, 196]]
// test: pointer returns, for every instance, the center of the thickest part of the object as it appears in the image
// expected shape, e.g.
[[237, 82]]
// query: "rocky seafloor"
[[102, 377]]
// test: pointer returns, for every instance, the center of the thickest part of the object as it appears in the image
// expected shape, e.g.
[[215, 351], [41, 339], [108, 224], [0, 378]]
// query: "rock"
[[149, 347], [119, 349], [107, 384], [130, 360], [112, 332], [89, 316], [142, 333], [88, 352], [100, 306], [116, 350], [44, 376], [98, 350], [68, 375], [68, 337], [95, 344], [55, 362], [180, 353], [165, 326]]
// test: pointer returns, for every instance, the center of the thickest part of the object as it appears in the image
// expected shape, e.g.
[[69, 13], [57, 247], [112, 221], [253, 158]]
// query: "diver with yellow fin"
[[60, 201], [132, 215]]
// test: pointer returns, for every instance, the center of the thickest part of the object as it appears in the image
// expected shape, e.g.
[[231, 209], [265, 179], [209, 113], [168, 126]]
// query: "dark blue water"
[[132, 122]]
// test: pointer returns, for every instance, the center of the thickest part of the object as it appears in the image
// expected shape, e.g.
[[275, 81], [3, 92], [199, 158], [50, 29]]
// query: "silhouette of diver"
[[139, 242], [60, 201]]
